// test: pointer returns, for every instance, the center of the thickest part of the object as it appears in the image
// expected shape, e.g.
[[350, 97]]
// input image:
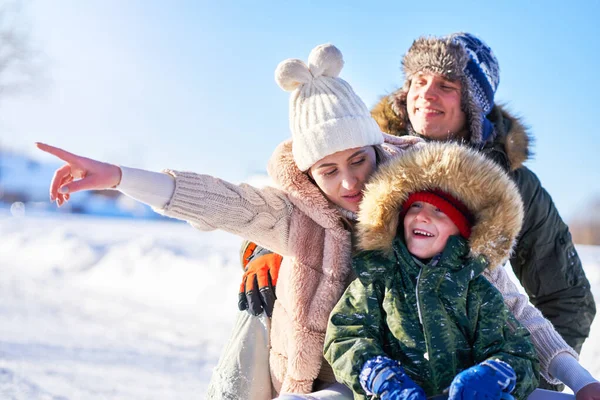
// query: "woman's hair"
[[380, 154]]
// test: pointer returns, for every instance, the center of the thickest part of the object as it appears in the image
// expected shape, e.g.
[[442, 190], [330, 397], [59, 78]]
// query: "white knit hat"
[[326, 116]]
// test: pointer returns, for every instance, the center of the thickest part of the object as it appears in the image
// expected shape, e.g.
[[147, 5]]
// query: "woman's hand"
[[589, 392], [79, 173]]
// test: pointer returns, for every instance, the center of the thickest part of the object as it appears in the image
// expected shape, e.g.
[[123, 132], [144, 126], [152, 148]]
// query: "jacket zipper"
[[426, 355], [418, 300]]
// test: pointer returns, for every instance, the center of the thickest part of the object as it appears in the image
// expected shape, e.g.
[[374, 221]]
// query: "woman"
[[321, 173]]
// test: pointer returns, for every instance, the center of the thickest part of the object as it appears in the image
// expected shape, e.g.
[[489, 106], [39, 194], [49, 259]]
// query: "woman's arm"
[[498, 335], [558, 361], [208, 203], [547, 341]]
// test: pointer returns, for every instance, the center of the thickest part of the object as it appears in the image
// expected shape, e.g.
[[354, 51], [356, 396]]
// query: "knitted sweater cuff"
[[570, 372], [151, 188], [549, 344]]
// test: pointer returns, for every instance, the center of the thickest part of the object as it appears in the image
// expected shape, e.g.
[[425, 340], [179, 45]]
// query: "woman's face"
[[342, 176]]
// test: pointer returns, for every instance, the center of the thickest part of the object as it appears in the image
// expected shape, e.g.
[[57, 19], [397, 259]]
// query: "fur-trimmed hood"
[[478, 182], [511, 136]]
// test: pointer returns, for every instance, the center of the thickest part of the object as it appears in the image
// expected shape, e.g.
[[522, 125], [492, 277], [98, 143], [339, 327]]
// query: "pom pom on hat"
[[292, 73], [326, 116], [324, 60]]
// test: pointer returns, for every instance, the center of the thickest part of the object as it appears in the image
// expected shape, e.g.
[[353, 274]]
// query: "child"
[[420, 317]]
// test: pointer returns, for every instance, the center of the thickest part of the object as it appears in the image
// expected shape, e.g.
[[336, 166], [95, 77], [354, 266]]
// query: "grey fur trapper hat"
[[458, 57]]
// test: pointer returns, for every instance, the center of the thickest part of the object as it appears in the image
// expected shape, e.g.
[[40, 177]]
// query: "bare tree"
[[20, 62]]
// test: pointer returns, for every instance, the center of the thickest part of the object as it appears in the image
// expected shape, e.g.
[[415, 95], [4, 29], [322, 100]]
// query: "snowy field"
[[95, 308]]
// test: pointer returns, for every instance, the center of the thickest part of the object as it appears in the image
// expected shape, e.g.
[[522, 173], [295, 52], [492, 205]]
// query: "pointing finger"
[[60, 153]]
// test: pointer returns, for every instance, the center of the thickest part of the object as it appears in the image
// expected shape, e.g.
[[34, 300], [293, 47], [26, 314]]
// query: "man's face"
[[434, 110]]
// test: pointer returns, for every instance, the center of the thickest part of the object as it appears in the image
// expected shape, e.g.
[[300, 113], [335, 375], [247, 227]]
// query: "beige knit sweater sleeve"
[[547, 341], [209, 203]]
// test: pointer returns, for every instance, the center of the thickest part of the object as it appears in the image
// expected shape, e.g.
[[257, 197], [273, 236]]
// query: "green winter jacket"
[[441, 318], [436, 319], [545, 260]]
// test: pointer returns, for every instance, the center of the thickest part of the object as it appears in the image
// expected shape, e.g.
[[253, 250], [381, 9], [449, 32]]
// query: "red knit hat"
[[450, 205]]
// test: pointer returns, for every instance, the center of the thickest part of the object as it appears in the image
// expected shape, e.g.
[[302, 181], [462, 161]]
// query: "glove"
[[491, 379], [384, 377], [257, 291]]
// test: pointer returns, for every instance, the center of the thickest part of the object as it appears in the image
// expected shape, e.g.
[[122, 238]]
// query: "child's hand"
[[79, 173], [491, 379], [385, 378]]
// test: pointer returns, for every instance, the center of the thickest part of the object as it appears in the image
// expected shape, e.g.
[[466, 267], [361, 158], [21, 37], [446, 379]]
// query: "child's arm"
[[547, 341], [355, 333], [499, 336]]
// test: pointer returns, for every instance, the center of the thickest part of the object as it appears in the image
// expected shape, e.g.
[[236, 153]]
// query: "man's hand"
[[257, 291]]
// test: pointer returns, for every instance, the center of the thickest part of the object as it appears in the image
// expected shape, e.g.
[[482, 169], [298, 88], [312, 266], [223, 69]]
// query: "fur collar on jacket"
[[478, 182], [510, 134]]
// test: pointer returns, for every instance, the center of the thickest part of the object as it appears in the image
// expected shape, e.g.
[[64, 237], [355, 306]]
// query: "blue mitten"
[[385, 378], [491, 379]]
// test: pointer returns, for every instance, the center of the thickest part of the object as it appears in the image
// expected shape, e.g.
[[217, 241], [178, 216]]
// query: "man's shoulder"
[[512, 137], [527, 182]]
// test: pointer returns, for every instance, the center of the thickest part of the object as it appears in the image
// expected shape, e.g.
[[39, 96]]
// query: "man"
[[448, 94]]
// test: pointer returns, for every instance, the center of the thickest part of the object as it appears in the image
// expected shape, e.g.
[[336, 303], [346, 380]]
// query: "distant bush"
[[585, 226]]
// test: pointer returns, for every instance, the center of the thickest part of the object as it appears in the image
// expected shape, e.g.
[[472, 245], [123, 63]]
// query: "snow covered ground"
[[95, 308]]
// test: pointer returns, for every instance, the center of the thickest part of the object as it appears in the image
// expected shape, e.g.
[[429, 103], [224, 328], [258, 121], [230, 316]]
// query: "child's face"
[[426, 229]]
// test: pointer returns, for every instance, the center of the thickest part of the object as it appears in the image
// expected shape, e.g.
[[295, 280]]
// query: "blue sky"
[[189, 84]]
